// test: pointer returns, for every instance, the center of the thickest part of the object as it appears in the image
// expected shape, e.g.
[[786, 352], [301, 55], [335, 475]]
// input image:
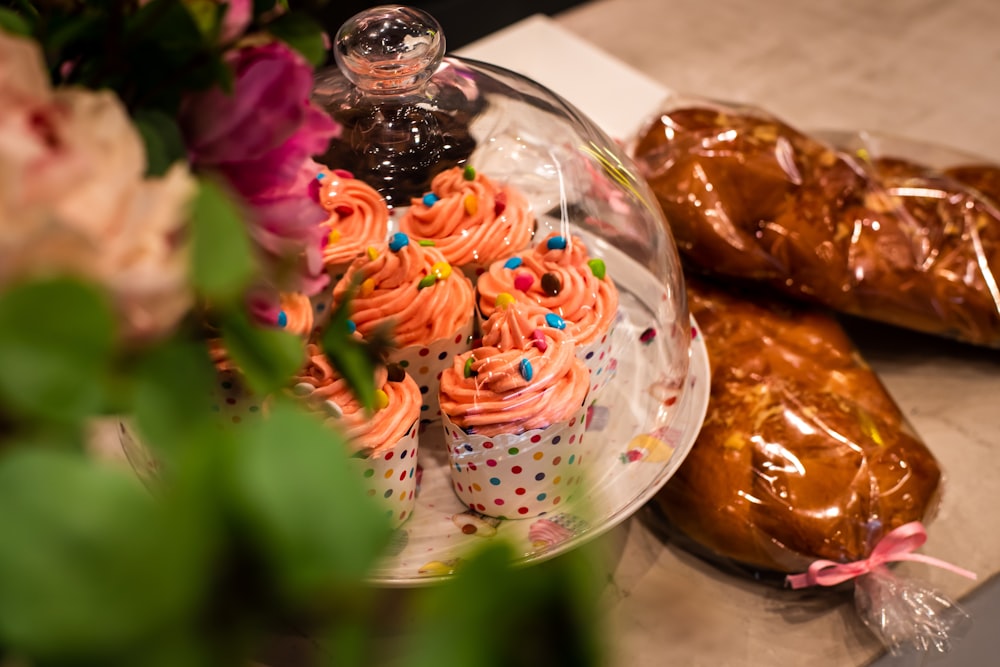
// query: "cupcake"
[[428, 307], [514, 413], [559, 276], [472, 220], [385, 442], [358, 217]]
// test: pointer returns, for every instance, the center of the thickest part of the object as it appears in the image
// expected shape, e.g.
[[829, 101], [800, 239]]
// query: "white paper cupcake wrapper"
[[390, 477], [232, 400], [425, 363], [518, 476], [599, 358]]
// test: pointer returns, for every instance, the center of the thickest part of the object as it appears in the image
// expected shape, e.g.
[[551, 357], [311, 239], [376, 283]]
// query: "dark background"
[[462, 21]]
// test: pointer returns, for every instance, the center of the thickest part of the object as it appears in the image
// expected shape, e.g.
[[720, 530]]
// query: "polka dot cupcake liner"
[[518, 476], [232, 400], [390, 477], [599, 358], [425, 363]]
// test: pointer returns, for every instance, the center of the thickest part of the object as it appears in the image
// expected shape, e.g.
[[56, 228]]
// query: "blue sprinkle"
[[512, 263], [430, 199], [555, 321], [526, 370], [398, 241], [351, 326], [282, 319], [319, 176], [556, 243], [495, 481]]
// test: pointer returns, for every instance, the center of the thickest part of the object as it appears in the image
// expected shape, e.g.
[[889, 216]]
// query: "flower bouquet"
[[155, 205]]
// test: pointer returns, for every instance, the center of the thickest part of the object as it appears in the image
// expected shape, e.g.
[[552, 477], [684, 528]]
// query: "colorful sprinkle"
[[499, 207], [372, 253], [282, 319], [551, 284], [395, 373], [381, 399], [343, 173], [343, 210], [398, 241], [504, 299], [648, 335], [467, 369], [524, 281], [538, 339], [512, 263], [471, 204], [334, 236], [441, 270], [351, 326], [555, 321], [469, 173], [367, 287], [320, 176], [427, 243], [556, 243], [430, 199], [427, 281], [526, 371], [597, 268]]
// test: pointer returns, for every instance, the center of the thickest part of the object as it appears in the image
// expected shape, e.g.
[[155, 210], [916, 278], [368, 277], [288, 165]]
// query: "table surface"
[[916, 68]]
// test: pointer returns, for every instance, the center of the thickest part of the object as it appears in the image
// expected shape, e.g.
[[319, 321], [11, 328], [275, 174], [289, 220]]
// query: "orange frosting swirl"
[[473, 222], [358, 216], [587, 303], [296, 314], [499, 394], [320, 385], [402, 286]]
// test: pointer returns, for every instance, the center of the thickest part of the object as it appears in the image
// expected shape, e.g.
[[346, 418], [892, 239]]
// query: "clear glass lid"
[[534, 204]]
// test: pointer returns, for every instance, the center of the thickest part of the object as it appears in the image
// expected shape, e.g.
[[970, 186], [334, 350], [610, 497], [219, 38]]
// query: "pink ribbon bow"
[[897, 545]]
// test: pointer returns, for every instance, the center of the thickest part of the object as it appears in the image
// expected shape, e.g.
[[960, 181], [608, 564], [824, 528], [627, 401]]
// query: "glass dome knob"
[[389, 50]]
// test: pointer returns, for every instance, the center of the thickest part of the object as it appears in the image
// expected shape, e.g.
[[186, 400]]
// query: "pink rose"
[[260, 139], [73, 200]]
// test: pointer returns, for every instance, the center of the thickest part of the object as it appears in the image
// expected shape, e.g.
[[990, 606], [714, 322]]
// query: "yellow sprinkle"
[[334, 236], [441, 269], [863, 154], [381, 399], [372, 253], [504, 299], [367, 287], [471, 205]]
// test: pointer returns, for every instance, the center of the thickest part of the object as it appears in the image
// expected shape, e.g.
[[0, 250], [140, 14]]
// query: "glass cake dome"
[[423, 129]]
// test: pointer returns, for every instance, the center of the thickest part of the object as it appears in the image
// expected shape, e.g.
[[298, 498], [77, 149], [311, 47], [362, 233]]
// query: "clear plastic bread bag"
[[806, 472], [878, 227]]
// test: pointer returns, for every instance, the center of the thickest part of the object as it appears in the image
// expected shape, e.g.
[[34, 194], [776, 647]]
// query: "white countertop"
[[915, 68]]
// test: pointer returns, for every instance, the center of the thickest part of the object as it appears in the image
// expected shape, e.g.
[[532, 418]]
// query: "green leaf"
[[171, 395], [223, 261], [301, 33], [267, 357], [13, 23], [303, 502], [162, 136], [552, 610], [56, 342], [89, 562], [349, 355]]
